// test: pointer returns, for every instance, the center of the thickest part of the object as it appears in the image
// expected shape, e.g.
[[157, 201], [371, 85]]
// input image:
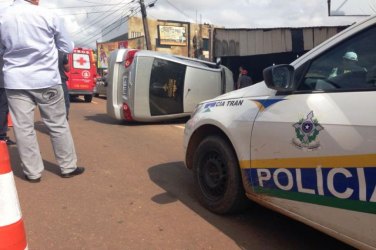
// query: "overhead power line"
[[87, 13], [102, 18], [93, 38], [90, 2], [99, 34], [179, 10], [125, 15], [90, 6], [112, 13]]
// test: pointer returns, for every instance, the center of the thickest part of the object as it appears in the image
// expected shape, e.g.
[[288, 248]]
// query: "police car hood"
[[257, 90]]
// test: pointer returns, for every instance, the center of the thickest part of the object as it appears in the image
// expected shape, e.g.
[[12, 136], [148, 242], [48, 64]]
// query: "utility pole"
[[145, 23]]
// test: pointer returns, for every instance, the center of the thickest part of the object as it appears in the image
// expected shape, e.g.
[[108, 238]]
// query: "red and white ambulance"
[[82, 74]]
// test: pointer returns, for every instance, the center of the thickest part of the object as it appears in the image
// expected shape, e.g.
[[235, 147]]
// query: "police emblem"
[[307, 131]]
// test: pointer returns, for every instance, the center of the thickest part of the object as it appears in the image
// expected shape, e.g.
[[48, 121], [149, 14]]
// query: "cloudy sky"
[[86, 18]]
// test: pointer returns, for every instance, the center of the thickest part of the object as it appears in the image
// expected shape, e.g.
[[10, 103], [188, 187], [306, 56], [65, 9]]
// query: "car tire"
[[88, 98], [217, 177]]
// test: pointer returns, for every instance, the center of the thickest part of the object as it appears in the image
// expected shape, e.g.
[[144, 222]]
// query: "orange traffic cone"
[[12, 230], [10, 123]]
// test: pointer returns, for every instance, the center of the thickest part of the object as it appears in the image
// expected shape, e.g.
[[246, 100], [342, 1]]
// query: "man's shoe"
[[10, 142], [77, 171], [32, 180]]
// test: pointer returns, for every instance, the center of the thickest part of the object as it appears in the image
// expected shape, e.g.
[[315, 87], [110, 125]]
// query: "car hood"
[[257, 90]]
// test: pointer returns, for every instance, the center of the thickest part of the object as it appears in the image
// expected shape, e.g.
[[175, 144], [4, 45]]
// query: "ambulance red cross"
[[81, 61], [302, 142]]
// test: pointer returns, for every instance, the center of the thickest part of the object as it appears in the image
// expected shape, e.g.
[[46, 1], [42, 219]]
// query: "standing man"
[[29, 39], [244, 79], [64, 67], [4, 110], [239, 76]]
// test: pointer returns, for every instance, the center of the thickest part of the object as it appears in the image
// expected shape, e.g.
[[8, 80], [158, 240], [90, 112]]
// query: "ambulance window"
[[81, 61], [349, 66], [166, 87]]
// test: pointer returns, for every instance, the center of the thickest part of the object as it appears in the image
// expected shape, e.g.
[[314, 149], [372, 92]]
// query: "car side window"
[[349, 66]]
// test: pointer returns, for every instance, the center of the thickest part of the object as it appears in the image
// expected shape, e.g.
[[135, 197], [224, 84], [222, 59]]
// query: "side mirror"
[[280, 77]]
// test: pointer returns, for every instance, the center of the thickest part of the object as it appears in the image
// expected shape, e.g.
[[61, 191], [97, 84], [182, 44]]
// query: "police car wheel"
[[217, 176]]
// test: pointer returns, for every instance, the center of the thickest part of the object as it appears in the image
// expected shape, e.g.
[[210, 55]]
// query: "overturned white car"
[[151, 86]]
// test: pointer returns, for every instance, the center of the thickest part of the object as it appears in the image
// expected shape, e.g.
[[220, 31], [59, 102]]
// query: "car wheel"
[[88, 98], [217, 177]]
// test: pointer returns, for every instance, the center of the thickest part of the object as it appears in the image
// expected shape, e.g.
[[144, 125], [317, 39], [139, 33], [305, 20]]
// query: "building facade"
[[256, 49], [172, 37]]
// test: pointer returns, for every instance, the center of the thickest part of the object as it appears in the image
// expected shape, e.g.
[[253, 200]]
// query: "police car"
[[302, 142]]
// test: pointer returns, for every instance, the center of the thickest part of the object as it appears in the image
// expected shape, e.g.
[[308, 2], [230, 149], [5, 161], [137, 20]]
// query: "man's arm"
[[66, 63], [2, 48], [62, 40]]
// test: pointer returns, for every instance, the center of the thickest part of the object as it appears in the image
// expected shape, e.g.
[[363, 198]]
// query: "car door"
[[313, 151]]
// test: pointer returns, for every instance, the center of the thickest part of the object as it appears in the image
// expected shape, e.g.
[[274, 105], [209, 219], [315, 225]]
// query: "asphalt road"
[[137, 194]]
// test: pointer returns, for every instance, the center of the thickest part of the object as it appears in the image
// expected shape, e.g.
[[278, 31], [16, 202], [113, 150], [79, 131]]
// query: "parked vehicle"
[[82, 74], [100, 88], [302, 143], [150, 86]]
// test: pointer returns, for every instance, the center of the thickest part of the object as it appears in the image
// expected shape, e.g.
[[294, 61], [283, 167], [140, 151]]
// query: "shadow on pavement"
[[15, 162], [103, 97], [257, 228], [77, 100], [105, 119]]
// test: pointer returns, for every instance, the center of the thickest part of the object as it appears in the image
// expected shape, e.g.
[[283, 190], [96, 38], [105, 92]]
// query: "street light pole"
[[145, 23]]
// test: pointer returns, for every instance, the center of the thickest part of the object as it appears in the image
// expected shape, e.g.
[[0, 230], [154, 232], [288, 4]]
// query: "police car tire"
[[214, 150]]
